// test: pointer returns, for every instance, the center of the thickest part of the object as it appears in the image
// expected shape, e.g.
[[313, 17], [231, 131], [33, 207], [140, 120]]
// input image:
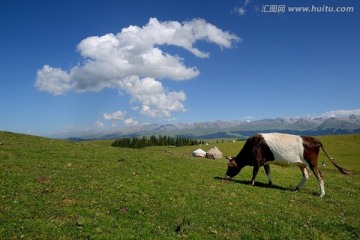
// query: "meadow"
[[56, 189]]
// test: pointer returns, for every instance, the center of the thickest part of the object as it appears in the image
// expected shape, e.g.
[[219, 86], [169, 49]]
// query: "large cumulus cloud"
[[131, 61]]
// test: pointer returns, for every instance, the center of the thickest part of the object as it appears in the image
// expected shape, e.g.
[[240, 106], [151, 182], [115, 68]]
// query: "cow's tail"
[[341, 169]]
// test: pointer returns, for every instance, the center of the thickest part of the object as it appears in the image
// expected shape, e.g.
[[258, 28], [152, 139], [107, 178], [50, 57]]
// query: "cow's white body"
[[287, 149]]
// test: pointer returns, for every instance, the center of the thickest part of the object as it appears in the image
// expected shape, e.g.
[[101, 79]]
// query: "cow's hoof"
[[227, 177]]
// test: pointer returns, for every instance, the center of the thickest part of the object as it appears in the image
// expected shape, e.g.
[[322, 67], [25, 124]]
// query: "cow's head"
[[233, 168]]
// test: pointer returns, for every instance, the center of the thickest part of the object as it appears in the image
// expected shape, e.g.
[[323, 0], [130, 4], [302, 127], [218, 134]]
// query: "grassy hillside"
[[54, 189]]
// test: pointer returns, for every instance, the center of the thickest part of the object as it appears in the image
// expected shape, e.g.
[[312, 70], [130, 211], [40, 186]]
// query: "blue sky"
[[100, 65]]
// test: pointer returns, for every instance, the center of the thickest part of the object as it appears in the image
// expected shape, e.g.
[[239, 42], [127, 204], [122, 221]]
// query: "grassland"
[[55, 189]]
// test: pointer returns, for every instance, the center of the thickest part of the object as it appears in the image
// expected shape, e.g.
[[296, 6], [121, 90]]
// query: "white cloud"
[[240, 10], [118, 116], [115, 116], [131, 61], [342, 113], [248, 118], [155, 100], [53, 80], [69, 126], [247, 2], [99, 124], [131, 122]]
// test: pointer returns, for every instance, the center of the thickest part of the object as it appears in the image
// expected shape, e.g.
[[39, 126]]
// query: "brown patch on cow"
[[311, 150], [267, 154], [256, 152], [311, 154]]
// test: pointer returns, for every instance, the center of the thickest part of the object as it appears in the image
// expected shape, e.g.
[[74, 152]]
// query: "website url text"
[[312, 9]]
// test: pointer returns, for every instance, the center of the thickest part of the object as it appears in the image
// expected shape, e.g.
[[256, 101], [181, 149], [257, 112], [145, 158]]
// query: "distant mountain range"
[[232, 129]]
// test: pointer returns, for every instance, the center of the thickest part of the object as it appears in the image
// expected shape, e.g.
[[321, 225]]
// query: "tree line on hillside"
[[155, 141]]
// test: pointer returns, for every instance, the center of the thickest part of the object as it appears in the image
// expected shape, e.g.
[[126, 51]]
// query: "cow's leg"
[[305, 174], [255, 172], [268, 173], [318, 175]]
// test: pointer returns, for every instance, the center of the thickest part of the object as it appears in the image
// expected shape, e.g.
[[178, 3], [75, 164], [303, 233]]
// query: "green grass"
[[54, 189]]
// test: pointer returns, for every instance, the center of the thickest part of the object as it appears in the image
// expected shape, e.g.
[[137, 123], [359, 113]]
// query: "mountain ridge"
[[231, 129]]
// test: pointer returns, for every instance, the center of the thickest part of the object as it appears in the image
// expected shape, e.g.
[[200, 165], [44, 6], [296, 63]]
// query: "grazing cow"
[[284, 150]]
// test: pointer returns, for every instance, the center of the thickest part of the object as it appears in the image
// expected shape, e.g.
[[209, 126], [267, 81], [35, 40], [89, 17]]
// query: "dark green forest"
[[155, 141]]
